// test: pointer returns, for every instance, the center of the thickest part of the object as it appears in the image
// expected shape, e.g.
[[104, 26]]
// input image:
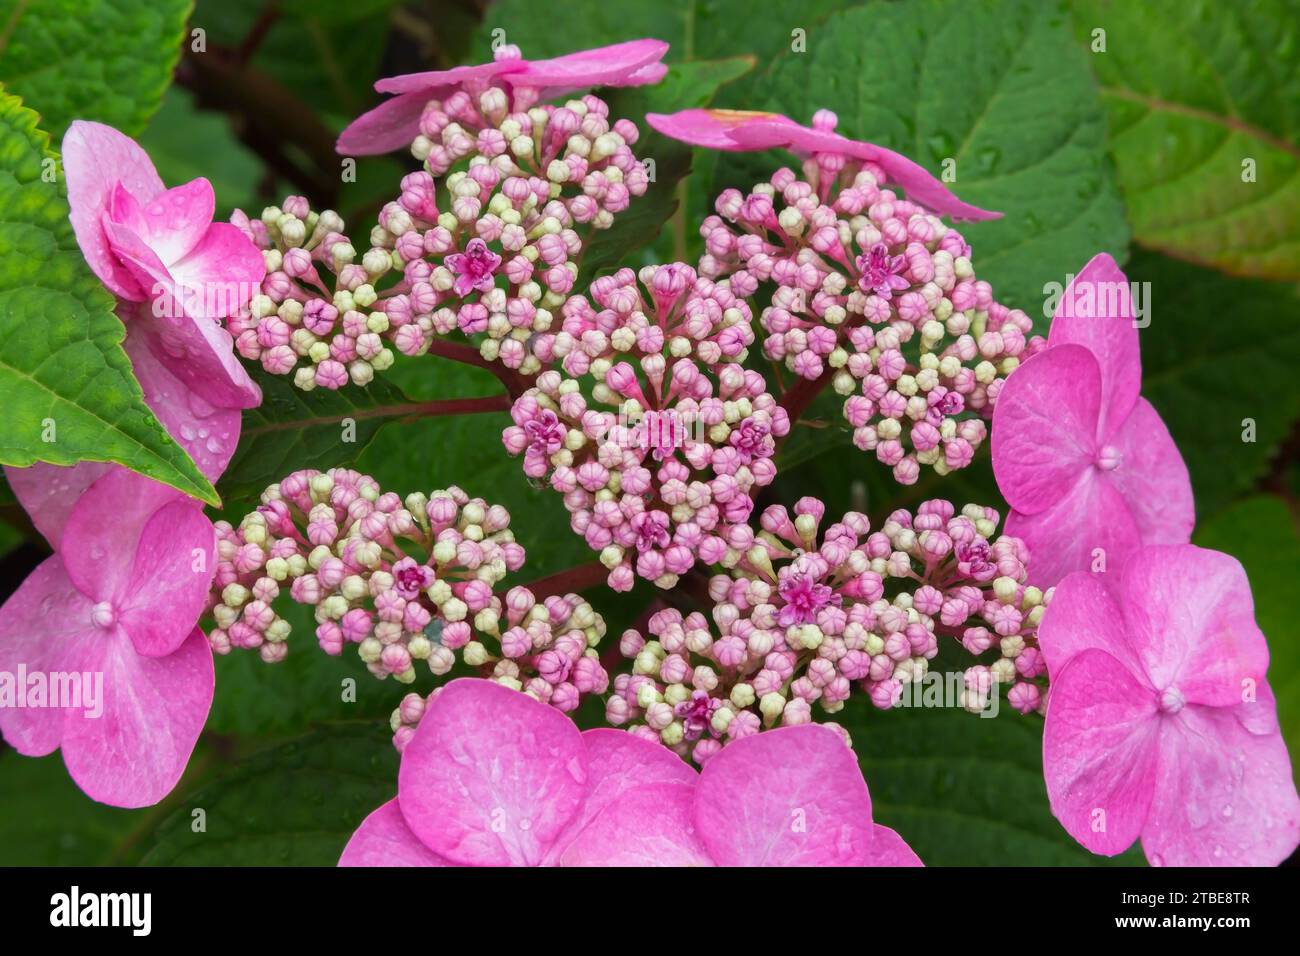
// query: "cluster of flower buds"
[[500, 260], [540, 178], [403, 580], [318, 315], [797, 623], [879, 291], [665, 481], [546, 649], [671, 309]]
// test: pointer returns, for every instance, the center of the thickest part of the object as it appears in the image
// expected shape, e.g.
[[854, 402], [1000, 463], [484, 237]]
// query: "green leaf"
[[686, 86], [1196, 93], [1219, 360], [294, 429], [1260, 532], [292, 805], [45, 820], [1000, 87], [61, 359], [320, 52], [964, 790], [78, 59], [692, 28]]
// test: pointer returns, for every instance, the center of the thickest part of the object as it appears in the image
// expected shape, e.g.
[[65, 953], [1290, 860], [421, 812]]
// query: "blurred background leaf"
[[1199, 94], [964, 790], [291, 805], [1219, 360], [72, 59]]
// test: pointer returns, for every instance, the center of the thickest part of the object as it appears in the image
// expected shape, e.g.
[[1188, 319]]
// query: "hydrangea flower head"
[[120, 599], [1083, 460], [1160, 721], [151, 244], [492, 778]]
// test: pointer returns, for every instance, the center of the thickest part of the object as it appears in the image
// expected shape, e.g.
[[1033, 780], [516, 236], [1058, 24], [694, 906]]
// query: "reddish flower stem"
[[515, 383]]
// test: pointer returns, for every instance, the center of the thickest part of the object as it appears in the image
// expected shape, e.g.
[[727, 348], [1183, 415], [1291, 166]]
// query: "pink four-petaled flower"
[[121, 600], [1160, 723], [1086, 464], [475, 268]]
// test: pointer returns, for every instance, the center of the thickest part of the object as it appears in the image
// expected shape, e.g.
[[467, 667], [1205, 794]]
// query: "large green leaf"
[[292, 805], [1219, 354], [61, 361], [1194, 91], [964, 790], [106, 60], [1260, 532], [1000, 87]]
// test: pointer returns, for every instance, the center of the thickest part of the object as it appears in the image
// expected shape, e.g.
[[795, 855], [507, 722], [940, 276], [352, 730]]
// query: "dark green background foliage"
[[1094, 125]]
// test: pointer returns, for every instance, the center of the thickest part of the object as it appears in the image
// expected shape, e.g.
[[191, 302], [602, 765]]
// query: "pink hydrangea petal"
[[1045, 426], [171, 222], [792, 796], [134, 753], [95, 159], [207, 432], [707, 128], [613, 65], [1100, 744], [384, 839], [43, 627], [1224, 796], [149, 272], [392, 125], [225, 267], [198, 352], [429, 82], [1085, 615], [1153, 478], [100, 539], [917, 182], [491, 776], [1108, 333], [1190, 614], [645, 826], [1258, 713], [616, 762], [1090, 524], [890, 849], [170, 578], [48, 492]]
